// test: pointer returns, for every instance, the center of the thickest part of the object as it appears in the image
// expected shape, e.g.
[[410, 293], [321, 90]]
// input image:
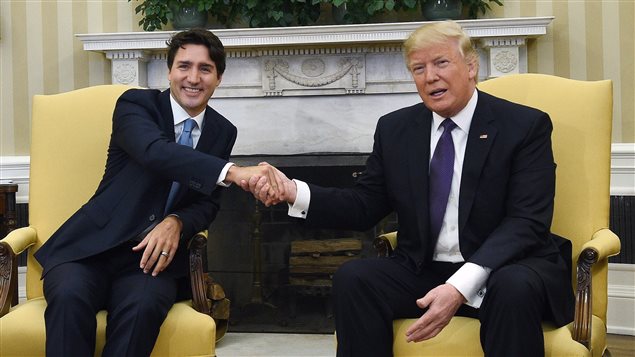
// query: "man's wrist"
[[175, 218], [232, 174]]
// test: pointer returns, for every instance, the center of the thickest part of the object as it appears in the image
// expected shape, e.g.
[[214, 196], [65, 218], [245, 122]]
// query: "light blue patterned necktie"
[[184, 139]]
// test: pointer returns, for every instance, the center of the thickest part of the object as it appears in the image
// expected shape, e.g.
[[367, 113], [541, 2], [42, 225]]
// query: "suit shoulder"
[[403, 115], [135, 99], [220, 119], [140, 94]]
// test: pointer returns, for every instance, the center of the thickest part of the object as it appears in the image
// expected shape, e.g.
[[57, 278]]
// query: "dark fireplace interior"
[[275, 271]]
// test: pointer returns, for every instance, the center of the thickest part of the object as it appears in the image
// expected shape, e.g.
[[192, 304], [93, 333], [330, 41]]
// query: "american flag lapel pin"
[[483, 136]]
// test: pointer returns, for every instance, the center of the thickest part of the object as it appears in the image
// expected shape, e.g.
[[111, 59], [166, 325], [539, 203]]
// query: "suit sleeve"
[[358, 208], [137, 131], [197, 214]]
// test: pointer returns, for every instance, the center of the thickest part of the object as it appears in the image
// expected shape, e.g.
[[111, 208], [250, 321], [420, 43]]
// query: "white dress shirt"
[[180, 115], [470, 279]]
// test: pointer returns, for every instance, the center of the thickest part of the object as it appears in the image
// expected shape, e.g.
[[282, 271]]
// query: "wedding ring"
[[165, 254]]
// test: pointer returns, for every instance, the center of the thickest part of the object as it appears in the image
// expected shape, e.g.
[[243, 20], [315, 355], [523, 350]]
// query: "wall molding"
[[15, 169], [623, 169]]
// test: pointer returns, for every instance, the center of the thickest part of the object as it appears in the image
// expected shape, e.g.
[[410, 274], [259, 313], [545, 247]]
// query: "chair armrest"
[[20, 239], [208, 297], [11, 246], [385, 244], [603, 244]]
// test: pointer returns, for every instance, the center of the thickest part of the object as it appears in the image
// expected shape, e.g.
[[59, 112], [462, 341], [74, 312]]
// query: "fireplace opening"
[[276, 272]]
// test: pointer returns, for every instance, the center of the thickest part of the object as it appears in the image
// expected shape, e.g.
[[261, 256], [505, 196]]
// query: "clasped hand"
[[265, 182]]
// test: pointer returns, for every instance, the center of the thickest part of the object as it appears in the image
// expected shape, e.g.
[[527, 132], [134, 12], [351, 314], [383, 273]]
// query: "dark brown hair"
[[198, 36]]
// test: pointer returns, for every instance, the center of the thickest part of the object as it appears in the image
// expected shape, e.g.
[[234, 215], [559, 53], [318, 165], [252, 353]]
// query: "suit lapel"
[[167, 117], [209, 132], [418, 161], [479, 143]]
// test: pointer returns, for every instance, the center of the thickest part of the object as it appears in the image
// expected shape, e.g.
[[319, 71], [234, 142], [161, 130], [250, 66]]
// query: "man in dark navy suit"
[[473, 230], [124, 250]]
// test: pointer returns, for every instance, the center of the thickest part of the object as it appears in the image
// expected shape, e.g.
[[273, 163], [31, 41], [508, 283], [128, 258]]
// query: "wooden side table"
[[8, 220]]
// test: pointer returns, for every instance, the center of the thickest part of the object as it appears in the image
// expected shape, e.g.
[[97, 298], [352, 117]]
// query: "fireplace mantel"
[[295, 90], [138, 58]]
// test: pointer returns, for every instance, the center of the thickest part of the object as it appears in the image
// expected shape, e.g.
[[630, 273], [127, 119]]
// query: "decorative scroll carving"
[[583, 298], [8, 277], [199, 299], [208, 297], [382, 246]]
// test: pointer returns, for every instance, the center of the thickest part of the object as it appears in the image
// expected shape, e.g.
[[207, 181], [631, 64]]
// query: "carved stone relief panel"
[[313, 75]]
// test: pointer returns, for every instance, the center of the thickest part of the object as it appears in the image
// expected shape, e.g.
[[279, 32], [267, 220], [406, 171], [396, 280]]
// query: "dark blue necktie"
[[441, 171], [184, 139]]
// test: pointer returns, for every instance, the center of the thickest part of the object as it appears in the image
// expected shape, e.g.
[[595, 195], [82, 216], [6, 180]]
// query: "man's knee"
[[67, 288], [514, 284], [351, 274]]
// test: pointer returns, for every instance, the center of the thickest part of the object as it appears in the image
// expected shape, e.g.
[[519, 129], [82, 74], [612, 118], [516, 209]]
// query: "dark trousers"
[[370, 293], [137, 304]]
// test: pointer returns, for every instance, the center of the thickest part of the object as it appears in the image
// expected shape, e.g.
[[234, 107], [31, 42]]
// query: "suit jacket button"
[[152, 218]]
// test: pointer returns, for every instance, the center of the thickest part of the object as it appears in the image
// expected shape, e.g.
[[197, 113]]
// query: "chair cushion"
[[461, 338], [184, 330]]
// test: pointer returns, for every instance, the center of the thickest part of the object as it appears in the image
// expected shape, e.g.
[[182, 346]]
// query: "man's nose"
[[193, 76]]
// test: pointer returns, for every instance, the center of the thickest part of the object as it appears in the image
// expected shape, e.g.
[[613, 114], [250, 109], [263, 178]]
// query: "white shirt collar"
[[180, 115], [462, 119]]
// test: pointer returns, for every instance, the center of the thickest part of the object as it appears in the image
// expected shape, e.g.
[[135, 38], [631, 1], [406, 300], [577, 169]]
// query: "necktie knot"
[[186, 135], [448, 125]]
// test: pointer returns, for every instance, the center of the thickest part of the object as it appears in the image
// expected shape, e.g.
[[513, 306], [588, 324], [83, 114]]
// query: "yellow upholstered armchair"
[[70, 134], [581, 113]]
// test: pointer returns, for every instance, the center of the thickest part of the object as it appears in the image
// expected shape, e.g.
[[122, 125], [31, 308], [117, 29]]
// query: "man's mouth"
[[192, 90], [437, 92]]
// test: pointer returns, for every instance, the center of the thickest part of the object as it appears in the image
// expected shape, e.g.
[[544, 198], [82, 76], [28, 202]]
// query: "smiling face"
[[193, 78], [444, 80]]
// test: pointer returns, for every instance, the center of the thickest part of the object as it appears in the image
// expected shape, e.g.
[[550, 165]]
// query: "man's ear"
[[472, 68]]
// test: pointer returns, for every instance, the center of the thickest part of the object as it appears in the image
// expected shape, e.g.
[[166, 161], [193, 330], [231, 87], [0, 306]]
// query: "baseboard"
[[621, 304], [21, 284], [623, 169]]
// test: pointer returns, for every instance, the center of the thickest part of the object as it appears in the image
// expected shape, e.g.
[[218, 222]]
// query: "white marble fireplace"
[[317, 88]]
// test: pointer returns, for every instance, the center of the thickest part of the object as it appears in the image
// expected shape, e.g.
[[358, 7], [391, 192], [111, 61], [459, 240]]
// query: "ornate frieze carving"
[[342, 73]]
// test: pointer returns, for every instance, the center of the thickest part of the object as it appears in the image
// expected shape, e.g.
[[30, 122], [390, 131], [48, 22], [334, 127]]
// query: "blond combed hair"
[[438, 33]]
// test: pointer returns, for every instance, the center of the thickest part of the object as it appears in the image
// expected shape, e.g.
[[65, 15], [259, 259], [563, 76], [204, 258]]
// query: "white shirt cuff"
[[470, 281], [300, 207], [223, 175]]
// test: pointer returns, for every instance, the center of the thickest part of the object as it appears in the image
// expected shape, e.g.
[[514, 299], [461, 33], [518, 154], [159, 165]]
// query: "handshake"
[[265, 182]]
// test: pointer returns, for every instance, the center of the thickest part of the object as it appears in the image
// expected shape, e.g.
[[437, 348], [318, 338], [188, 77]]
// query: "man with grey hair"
[[472, 180]]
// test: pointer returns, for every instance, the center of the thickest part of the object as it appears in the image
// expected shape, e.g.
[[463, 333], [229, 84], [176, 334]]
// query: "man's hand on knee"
[[160, 245], [441, 303]]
